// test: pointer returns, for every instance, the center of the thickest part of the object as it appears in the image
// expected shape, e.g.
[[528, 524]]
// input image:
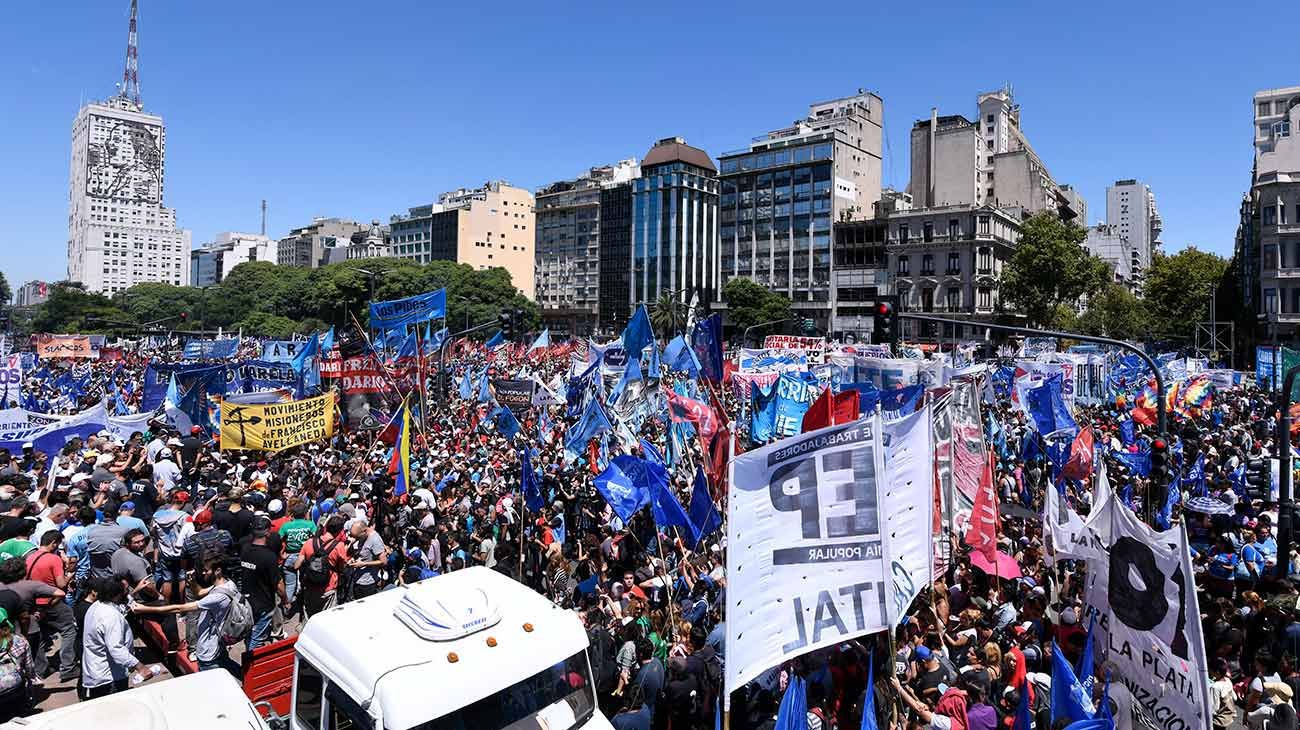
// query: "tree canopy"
[[1178, 290], [1051, 268], [276, 301], [1114, 312], [749, 303]]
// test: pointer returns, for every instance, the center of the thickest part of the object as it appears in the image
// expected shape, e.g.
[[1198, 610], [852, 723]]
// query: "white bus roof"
[[200, 701], [358, 644]]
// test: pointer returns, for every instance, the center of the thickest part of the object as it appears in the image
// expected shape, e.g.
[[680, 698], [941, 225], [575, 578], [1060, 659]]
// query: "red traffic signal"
[[1159, 445], [884, 309]]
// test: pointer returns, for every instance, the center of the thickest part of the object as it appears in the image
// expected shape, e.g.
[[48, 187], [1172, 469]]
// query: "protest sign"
[[764, 360], [210, 349], [257, 375], [814, 348], [363, 386], [75, 347], [398, 313], [281, 350], [276, 426], [11, 379], [1034, 347], [517, 395]]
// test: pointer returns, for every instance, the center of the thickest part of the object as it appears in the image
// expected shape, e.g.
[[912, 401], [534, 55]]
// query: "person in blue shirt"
[[1251, 567], [1265, 543], [1222, 569], [635, 714]]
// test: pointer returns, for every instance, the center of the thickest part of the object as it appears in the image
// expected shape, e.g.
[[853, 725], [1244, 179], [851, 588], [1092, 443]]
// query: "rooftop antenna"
[[131, 76], [263, 217]]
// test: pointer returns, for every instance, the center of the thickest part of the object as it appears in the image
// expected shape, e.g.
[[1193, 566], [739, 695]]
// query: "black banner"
[[517, 395]]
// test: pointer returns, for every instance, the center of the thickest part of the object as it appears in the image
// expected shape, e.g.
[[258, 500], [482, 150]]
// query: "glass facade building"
[[674, 225], [615, 257]]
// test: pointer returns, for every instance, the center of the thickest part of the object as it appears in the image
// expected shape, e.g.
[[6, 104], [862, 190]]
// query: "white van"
[[202, 701], [469, 650]]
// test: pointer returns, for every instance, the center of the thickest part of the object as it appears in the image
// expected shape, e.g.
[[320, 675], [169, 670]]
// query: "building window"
[[989, 119], [954, 229], [1270, 215], [988, 144], [984, 224], [903, 233], [927, 232], [985, 262], [1282, 128], [985, 298], [904, 265], [1270, 301], [954, 262], [1264, 109], [927, 265], [927, 300], [952, 299]]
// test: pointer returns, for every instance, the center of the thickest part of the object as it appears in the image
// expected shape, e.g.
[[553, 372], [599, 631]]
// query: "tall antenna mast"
[[263, 216], [131, 76]]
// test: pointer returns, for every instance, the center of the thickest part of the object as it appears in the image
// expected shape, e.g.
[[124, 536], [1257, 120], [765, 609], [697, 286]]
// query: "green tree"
[[1114, 312], [667, 315], [1178, 289], [749, 303], [262, 324], [1050, 268], [72, 310], [5, 292], [162, 303]]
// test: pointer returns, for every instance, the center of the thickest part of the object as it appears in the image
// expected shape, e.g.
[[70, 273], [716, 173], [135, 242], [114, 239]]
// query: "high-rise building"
[[1106, 242], [675, 225], [957, 161], [1273, 239], [615, 258], [1131, 213], [487, 227], [212, 262], [568, 247], [780, 196], [119, 232], [324, 241]]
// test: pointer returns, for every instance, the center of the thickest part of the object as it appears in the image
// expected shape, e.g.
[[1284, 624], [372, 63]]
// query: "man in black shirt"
[[231, 516], [12, 523], [191, 450], [262, 582]]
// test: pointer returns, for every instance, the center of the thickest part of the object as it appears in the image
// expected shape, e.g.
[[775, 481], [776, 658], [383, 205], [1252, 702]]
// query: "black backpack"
[[315, 572], [603, 668]]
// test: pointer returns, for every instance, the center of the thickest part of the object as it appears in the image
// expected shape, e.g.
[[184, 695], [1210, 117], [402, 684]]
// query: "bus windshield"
[[560, 697]]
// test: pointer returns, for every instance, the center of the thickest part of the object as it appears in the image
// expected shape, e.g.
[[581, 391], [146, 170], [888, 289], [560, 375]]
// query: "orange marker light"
[[491, 641], [452, 658], [528, 628]]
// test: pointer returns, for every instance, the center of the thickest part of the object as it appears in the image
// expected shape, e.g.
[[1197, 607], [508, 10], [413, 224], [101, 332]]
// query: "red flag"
[[682, 409], [831, 410], [985, 522], [1079, 465], [720, 451]]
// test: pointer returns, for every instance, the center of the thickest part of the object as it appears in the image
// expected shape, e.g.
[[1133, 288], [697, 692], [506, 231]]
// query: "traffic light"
[[885, 329], [185, 317], [507, 325], [809, 327], [520, 327], [1259, 479]]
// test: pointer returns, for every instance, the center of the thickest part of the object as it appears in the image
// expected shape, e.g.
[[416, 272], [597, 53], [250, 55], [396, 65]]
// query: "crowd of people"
[[166, 532]]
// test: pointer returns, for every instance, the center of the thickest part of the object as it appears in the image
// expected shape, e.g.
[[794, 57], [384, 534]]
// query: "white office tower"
[[119, 233]]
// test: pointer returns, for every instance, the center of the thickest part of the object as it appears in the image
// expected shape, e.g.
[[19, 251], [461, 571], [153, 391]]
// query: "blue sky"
[[362, 109]]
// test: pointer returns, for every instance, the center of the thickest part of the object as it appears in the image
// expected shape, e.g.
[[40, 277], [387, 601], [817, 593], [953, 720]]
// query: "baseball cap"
[[275, 505], [195, 430], [923, 653], [203, 517], [128, 504], [181, 496]]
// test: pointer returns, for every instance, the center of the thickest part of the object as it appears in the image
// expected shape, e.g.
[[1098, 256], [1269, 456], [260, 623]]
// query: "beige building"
[[491, 226]]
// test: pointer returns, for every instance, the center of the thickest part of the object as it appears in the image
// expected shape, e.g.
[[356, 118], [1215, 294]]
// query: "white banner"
[[807, 566], [907, 501], [1141, 590], [11, 379]]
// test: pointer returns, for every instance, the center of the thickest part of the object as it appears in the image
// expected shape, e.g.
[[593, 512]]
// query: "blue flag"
[[868, 395], [532, 492], [901, 401], [1047, 410], [327, 341], [1070, 700], [496, 340], [793, 712], [869, 703], [650, 452], [593, 423], [1024, 719], [1086, 668], [484, 393], [505, 421], [705, 520], [1195, 477], [667, 509], [707, 343], [407, 348], [1127, 432], [637, 334], [762, 412], [466, 387], [542, 342], [681, 358], [631, 374], [625, 485]]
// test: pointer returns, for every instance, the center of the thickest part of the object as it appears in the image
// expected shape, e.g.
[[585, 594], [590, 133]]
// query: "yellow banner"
[[276, 426]]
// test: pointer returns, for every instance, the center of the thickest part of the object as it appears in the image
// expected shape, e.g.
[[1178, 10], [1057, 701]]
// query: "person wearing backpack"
[[171, 528], [217, 627], [320, 561]]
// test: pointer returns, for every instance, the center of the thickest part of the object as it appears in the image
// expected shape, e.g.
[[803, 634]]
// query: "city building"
[[780, 196], [1107, 243], [371, 243], [1273, 120], [985, 161], [568, 240], [674, 237], [1131, 211], [1275, 220], [949, 260], [31, 294], [487, 227], [313, 246], [119, 232], [212, 262], [615, 305]]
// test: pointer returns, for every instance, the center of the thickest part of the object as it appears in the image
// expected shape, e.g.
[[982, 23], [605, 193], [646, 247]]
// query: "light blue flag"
[[593, 423], [542, 342], [631, 374], [528, 477], [681, 357], [625, 485], [705, 519], [466, 387], [484, 393], [327, 341], [496, 340], [869, 704], [1086, 661]]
